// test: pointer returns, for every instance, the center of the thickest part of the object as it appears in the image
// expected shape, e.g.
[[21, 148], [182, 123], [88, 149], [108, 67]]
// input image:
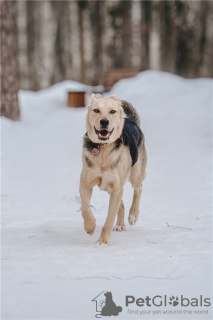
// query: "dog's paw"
[[102, 244], [103, 240], [119, 228], [132, 219], [89, 226]]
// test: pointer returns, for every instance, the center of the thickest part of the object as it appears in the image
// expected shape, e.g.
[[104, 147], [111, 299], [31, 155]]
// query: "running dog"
[[113, 152]]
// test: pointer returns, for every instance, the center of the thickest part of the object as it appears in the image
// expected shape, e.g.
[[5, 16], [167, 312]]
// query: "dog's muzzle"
[[103, 134]]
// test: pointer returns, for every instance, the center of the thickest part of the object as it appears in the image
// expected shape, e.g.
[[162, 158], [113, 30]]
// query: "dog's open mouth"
[[103, 134]]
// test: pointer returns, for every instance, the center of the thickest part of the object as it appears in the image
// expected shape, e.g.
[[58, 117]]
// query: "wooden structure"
[[114, 75], [76, 99]]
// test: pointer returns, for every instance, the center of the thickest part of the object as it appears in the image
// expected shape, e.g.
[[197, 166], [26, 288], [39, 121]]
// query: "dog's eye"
[[112, 111], [96, 111]]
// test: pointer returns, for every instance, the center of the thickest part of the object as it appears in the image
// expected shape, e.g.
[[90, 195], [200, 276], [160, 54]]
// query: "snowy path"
[[49, 264]]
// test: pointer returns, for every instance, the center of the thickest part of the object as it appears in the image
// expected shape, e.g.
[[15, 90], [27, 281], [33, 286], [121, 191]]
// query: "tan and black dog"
[[114, 152]]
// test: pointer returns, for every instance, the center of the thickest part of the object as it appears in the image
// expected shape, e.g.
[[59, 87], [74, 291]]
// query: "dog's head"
[[104, 120], [108, 295]]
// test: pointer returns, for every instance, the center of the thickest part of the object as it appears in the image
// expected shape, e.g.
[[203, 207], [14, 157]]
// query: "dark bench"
[[114, 75]]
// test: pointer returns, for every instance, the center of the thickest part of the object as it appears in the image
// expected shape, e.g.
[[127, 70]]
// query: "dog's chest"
[[105, 160], [105, 170]]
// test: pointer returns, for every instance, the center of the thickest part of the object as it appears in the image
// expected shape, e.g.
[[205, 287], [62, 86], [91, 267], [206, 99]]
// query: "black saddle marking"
[[131, 137]]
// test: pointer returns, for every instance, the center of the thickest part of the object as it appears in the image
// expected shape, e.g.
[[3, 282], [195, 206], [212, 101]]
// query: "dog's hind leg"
[[136, 178], [120, 226]]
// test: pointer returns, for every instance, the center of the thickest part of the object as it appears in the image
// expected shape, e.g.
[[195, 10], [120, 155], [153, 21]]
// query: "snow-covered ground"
[[51, 269]]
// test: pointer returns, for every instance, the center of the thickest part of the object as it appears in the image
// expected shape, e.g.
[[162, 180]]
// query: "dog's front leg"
[[89, 219], [114, 204]]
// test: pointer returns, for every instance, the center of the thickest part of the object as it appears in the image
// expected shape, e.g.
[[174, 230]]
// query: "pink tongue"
[[103, 133]]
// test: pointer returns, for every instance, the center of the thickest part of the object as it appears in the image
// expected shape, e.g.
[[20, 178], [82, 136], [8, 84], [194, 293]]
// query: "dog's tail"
[[130, 111]]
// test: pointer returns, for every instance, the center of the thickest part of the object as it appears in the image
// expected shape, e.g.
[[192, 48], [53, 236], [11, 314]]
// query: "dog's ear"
[[95, 96], [115, 98], [120, 103]]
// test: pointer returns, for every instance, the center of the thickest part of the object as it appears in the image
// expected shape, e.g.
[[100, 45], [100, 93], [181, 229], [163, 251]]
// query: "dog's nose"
[[104, 123]]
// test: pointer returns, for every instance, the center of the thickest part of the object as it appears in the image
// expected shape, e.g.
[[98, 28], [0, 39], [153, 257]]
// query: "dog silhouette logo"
[[105, 306]]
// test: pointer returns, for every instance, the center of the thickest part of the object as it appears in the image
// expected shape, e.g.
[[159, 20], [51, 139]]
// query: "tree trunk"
[[97, 48], [81, 7], [206, 69], [182, 34], [22, 45], [167, 35], [62, 41], [146, 7], [82, 40], [127, 33], [9, 76]]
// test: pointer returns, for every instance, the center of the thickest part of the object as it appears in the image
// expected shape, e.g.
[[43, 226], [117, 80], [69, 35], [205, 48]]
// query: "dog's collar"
[[97, 150], [92, 146]]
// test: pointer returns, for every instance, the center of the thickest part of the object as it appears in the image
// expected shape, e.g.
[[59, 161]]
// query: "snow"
[[52, 269]]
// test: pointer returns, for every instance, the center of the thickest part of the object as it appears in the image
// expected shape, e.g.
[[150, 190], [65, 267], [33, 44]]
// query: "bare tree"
[[81, 6], [21, 37], [167, 11], [82, 40], [126, 33], [206, 68], [62, 42], [102, 304], [97, 34], [121, 42], [146, 10], [9, 77]]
